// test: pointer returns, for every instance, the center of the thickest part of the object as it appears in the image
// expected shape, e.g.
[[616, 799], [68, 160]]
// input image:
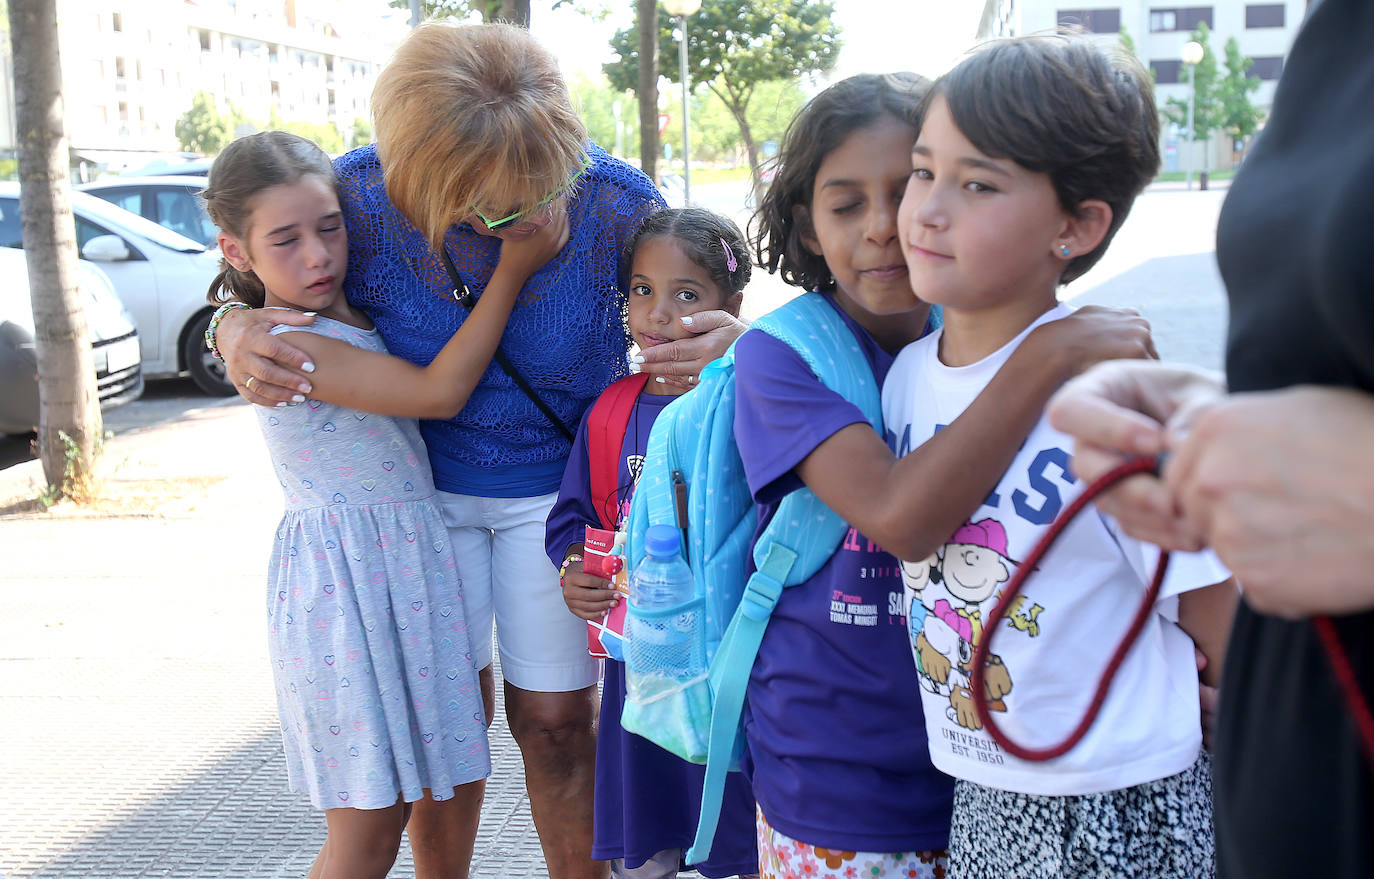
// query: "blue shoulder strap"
[[799, 539]]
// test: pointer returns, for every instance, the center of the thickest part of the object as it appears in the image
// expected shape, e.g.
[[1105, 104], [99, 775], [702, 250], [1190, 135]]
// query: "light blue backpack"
[[693, 478]]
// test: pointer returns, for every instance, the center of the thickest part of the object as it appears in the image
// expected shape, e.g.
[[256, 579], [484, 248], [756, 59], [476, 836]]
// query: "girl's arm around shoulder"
[[1206, 615], [910, 506], [387, 385]]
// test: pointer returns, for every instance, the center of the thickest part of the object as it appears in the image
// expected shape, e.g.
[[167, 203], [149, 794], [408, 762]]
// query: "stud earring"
[[1064, 249]]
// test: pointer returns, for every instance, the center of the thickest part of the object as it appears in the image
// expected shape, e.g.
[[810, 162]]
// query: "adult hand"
[[587, 595], [524, 256], [1118, 410], [1281, 485], [679, 363], [266, 370]]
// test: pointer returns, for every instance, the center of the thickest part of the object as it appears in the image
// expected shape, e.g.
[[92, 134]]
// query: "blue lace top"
[[567, 335]]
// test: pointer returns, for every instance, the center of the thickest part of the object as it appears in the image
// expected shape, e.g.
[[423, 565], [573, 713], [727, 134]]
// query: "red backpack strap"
[[606, 424]]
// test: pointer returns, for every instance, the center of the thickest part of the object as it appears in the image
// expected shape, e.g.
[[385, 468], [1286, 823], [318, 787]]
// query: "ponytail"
[[233, 285]]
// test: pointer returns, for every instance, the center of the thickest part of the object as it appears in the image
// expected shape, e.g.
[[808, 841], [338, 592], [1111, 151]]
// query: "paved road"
[[139, 733]]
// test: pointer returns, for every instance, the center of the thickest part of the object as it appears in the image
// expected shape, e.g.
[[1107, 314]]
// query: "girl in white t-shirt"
[[1029, 156]]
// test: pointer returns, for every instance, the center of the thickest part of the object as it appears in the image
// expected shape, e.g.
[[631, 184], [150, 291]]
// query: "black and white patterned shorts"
[[1159, 829]]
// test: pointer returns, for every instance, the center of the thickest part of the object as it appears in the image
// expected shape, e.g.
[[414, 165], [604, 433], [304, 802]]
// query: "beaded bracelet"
[[214, 325], [567, 562]]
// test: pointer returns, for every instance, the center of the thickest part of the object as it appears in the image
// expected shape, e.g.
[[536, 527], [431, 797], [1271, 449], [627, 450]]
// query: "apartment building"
[[131, 68], [1264, 31]]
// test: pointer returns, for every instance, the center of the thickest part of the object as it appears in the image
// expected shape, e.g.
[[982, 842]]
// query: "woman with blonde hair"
[[477, 144]]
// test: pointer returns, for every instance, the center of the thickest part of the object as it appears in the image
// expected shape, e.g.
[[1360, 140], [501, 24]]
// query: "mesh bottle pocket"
[[668, 698]]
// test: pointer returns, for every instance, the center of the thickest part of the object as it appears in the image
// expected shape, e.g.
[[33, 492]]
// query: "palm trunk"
[[646, 22], [68, 402]]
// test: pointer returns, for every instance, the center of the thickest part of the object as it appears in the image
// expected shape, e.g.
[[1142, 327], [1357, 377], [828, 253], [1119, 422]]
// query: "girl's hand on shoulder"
[[523, 257], [679, 363], [1118, 410], [1095, 333], [1281, 485], [587, 595], [250, 351]]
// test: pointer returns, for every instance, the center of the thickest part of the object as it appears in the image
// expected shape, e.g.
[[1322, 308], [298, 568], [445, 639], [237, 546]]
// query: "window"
[[119, 68], [204, 40], [1094, 21], [129, 199], [1266, 68], [1167, 71], [1184, 18], [118, 22], [1264, 15]]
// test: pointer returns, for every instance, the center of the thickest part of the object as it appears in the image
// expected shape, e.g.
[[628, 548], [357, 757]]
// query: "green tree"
[[324, 134], [362, 132], [595, 101], [514, 11], [203, 129], [1239, 117], [715, 134], [1127, 43], [736, 45], [1207, 107]]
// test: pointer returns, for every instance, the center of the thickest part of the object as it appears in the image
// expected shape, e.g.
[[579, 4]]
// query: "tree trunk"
[[68, 402], [646, 20], [738, 108], [516, 12]]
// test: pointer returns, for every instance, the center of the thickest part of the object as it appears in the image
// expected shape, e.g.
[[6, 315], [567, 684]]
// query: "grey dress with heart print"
[[376, 690]]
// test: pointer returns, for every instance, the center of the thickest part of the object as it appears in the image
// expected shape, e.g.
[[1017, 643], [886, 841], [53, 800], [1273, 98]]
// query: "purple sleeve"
[[782, 413], [573, 511]]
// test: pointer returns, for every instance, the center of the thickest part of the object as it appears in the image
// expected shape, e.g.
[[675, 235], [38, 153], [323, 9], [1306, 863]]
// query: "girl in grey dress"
[[377, 695]]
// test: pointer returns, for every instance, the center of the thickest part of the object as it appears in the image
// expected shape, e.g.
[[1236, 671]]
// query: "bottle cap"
[[662, 541]]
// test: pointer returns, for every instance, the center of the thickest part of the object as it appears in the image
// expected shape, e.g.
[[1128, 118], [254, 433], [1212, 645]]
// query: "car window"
[[10, 234], [128, 199], [180, 210]]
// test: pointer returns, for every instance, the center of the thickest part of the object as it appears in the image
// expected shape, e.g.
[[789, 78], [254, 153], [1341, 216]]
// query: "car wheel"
[[206, 369]]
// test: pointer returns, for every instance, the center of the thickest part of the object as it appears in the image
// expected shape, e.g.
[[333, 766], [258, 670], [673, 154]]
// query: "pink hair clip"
[[730, 262]]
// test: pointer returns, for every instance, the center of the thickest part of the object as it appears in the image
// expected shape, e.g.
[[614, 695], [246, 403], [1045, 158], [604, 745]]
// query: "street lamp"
[[682, 9], [1191, 55]]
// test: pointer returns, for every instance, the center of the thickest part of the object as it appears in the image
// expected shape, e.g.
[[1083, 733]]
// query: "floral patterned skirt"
[[782, 857]]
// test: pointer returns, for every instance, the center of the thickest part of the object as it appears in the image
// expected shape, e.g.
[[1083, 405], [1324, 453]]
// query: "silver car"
[[114, 342], [161, 277]]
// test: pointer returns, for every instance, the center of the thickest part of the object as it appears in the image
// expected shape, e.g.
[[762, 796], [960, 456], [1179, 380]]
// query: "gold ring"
[[248, 385]]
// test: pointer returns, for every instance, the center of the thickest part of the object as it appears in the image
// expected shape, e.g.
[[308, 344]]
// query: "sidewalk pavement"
[[139, 724]]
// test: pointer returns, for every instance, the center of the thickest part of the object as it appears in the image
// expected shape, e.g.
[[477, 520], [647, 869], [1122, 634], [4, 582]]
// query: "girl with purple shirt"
[[647, 800], [836, 749]]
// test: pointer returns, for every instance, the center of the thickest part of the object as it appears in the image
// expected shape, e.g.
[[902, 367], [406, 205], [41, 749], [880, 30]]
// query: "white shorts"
[[498, 544]]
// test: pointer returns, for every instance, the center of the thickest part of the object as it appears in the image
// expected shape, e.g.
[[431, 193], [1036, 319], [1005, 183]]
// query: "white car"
[[114, 343], [162, 278], [172, 202]]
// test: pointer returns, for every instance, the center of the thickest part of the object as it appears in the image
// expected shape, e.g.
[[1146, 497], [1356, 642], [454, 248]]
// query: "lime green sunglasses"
[[507, 222]]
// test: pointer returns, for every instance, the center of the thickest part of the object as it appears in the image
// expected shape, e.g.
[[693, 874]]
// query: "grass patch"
[[1180, 176], [713, 175]]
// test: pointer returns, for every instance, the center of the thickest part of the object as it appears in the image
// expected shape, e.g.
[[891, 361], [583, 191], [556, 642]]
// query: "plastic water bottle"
[[660, 642], [668, 698]]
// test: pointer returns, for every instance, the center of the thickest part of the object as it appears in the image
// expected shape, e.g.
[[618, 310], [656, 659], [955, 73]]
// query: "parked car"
[[173, 202], [160, 276], [114, 343]]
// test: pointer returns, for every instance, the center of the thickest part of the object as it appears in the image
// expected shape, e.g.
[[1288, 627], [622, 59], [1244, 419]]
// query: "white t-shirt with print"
[[1055, 642]]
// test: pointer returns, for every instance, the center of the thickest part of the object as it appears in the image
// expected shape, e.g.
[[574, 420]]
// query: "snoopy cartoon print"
[[917, 576], [974, 564]]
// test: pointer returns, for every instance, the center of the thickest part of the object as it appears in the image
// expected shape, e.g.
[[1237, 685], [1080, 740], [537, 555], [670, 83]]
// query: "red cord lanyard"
[[1326, 632]]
